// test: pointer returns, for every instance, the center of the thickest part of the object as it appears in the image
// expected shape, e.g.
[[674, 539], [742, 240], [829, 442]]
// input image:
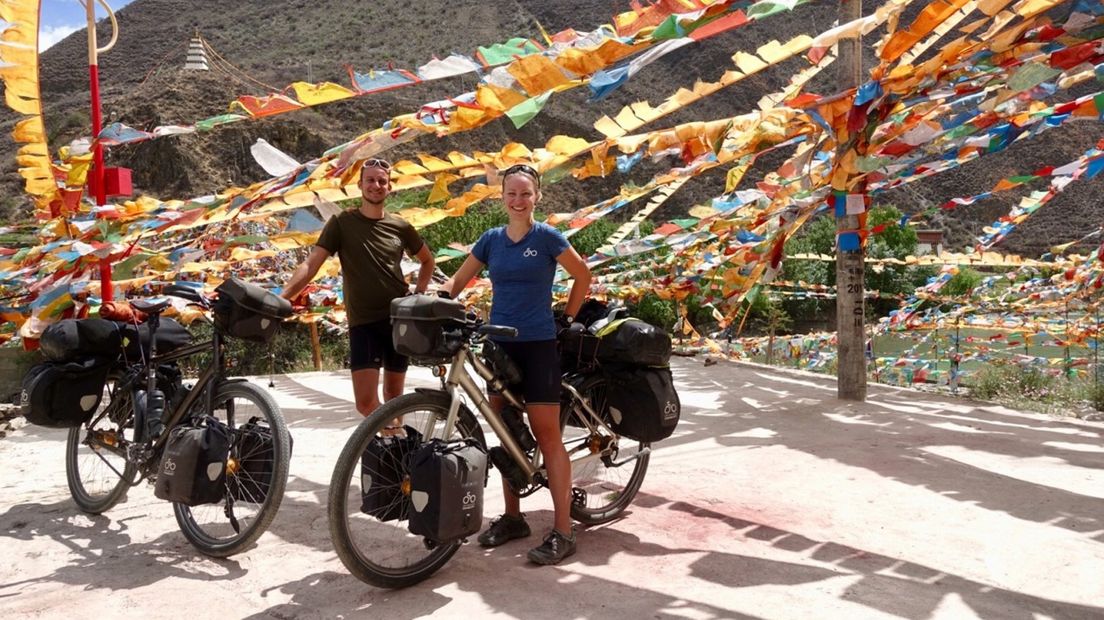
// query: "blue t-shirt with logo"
[[521, 278]]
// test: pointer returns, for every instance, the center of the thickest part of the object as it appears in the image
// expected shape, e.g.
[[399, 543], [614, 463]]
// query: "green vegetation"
[[894, 241], [288, 351], [1032, 388], [654, 310], [962, 283]]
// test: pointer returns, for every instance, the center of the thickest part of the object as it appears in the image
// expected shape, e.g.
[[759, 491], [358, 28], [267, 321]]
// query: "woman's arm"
[[577, 268], [459, 280]]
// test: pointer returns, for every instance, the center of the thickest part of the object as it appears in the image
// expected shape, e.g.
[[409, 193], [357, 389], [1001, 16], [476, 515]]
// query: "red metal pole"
[[107, 292]]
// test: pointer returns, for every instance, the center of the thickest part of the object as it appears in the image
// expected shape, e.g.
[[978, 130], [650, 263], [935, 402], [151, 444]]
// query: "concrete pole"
[[850, 303]]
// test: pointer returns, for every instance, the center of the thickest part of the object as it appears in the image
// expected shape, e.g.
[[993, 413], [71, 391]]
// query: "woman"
[[521, 258]]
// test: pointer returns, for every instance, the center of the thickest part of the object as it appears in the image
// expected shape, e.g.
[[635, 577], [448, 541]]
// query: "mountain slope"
[[280, 41]]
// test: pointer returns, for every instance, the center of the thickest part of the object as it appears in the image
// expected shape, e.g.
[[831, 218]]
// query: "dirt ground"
[[773, 500]]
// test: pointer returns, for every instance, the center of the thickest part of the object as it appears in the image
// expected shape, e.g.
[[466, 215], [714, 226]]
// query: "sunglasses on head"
[[377, 163], [522, 169]]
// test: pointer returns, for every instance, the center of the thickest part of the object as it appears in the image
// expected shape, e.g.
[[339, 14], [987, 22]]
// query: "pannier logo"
[[24, 398], [670, 410], [469, 500], [529, 253], [169, 468]]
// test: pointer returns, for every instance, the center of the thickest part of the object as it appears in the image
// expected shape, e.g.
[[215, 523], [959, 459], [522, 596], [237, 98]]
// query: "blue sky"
[[60, 18]]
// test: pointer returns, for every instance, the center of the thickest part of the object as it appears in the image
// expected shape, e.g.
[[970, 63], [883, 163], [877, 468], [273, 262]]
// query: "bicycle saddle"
[[151, 306], [185, 292]]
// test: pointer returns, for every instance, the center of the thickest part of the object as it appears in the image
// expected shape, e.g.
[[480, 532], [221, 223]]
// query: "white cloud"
[[49, 35]]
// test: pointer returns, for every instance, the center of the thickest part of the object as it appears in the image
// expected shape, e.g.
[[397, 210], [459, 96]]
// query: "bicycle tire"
[[352, 531], [206, 526], [600, 493], [83, 463]]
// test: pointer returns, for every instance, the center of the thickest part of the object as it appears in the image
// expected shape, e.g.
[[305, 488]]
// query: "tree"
[[894, 241]]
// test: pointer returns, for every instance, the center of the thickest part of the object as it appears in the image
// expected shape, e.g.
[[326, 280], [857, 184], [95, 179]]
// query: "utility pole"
[[98, 180], [850, 303]]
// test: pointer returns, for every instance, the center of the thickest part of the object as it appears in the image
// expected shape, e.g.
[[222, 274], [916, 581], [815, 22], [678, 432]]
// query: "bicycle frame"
[[458, 376], [204, 385]]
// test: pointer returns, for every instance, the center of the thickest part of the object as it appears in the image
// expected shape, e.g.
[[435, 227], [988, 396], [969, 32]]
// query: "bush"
[[288, 351], [656, 311], [1096, 396]]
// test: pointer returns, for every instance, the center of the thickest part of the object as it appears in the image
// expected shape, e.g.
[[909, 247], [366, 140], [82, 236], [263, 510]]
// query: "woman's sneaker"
[[504, 529], [554, 549]]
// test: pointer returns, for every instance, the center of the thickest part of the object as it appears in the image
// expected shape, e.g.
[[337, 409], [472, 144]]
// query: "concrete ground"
[[773, 500]]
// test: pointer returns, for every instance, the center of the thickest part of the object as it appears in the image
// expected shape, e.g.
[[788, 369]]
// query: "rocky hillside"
[[279, 41]]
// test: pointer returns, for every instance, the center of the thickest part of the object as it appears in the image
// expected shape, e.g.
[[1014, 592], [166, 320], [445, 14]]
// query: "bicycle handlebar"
[[497, 330]]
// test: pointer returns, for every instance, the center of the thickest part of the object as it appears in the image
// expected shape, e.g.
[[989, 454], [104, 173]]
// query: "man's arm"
[[425, 272], [304, 273]]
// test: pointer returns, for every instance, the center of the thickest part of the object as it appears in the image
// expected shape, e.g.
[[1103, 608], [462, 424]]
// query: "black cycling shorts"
[[370, 346], [539, 362]]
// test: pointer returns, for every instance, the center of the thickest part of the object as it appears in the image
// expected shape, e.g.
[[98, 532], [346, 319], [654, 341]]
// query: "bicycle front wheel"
[[369, 493], [96, 468], [256, 473], [605, 477]]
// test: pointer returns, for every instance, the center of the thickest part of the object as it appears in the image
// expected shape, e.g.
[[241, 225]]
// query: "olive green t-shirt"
[[370, 252]]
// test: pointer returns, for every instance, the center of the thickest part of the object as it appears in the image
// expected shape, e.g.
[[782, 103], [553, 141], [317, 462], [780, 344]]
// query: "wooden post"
[[770, 346], [850, 302], [1068, 361], [956, 361], [1096, 349], [316, 345]]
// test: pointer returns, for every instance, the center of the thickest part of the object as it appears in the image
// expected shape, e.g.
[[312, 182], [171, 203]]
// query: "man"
[[369, 243]]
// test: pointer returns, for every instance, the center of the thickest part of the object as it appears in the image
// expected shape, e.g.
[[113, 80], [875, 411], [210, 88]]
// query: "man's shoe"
[[504, 529], [554, 549]]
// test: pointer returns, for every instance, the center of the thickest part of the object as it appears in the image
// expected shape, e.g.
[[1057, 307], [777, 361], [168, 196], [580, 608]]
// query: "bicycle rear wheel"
[[376, 545], [600, 488], [96, 469], [253, 491]]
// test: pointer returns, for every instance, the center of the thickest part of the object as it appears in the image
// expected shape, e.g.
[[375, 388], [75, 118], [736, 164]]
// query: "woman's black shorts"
[[539, 362]]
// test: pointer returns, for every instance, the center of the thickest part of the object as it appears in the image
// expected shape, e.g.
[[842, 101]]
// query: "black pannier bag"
[[446, 489], [255, 452], [419, 324], [193, 464], [578, 350], [70, 339], [632, 341], [383, 466], [171, 336], [247, 311], [643, 404], [63, 395]]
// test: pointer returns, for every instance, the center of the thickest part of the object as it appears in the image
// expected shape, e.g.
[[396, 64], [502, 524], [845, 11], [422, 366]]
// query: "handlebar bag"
[[247, 311], [63, 395], [383, 467], [419, 322], [193, 465], [446, 489], [643, 404]]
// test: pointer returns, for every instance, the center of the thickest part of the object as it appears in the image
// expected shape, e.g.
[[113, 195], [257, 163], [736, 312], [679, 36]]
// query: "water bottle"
[[154, 410], [140, 412], [518, 429]]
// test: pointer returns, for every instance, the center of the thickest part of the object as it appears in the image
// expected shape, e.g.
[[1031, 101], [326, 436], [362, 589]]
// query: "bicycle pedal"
[[578, 496]]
